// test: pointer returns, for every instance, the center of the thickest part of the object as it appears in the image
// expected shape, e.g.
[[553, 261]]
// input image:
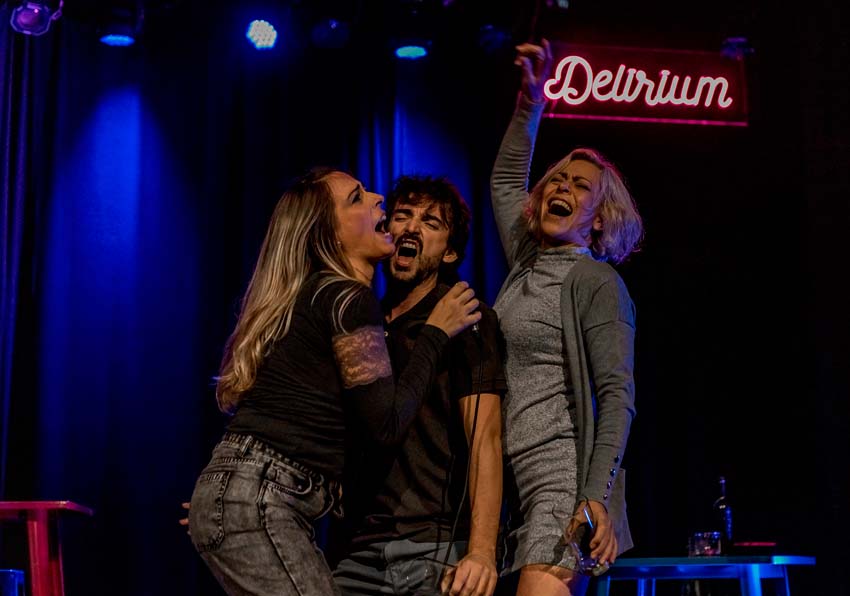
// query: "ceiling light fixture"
[[34, 18]]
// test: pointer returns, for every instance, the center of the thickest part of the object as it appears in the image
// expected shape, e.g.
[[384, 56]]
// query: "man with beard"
[[436, 497]]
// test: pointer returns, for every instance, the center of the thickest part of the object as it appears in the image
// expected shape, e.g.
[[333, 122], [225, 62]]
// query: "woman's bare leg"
[[548, 580]]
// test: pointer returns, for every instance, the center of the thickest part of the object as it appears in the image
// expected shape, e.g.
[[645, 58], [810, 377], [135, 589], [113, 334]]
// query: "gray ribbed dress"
[[539, 408], [570, 400]]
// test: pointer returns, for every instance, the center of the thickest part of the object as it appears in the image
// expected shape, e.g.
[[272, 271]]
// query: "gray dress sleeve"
[[609, 333], [599, 329], [509, 179]]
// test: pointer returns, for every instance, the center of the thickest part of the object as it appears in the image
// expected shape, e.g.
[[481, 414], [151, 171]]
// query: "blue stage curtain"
[[25, 103], [133, 229], [14, 109]]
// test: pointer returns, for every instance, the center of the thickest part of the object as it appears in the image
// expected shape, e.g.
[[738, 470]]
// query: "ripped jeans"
[[252, 518]]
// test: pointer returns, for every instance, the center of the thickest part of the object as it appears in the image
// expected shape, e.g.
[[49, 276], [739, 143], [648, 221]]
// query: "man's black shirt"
[[413, 491]]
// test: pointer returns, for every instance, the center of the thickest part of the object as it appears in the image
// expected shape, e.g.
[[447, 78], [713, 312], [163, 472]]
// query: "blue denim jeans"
[[396, 567], [252, 517]]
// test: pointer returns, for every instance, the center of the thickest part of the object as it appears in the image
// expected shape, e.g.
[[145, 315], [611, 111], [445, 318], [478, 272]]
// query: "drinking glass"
[[574, 545], [578, 532]]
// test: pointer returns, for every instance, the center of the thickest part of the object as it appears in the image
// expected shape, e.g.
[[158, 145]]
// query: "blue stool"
[[12, 582]]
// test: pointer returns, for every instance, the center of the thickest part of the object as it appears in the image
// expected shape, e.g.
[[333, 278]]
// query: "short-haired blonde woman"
[[568, 323], [306, 357]]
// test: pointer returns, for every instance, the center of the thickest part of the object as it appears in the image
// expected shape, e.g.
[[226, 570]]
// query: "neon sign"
[[632, 84]]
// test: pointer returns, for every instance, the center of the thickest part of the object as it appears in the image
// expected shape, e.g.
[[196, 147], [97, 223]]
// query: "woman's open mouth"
[[381, 228], [559, 208]]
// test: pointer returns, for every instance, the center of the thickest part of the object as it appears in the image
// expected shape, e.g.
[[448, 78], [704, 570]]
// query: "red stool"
[[45, 548]]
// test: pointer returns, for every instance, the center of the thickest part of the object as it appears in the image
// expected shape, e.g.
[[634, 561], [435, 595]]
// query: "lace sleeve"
[[386, 407], [362, 356]]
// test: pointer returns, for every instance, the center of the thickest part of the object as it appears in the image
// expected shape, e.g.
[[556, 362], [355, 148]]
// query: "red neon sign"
[[641, 85]]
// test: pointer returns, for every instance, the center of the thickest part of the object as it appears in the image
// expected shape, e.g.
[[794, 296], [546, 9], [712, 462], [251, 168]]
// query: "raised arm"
[[509, 179], [387, 407]]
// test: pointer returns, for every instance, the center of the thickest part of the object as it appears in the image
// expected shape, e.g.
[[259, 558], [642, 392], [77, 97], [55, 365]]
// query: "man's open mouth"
[[408, 248], [406, 251]]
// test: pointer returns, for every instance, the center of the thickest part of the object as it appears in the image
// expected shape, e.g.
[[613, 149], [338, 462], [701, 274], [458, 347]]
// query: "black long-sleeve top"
[[304, 389]]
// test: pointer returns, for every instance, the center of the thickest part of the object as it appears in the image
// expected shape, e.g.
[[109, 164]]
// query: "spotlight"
[[34, 18], [262, 34], [414, 22], [121, 23], [411, 51], [118, 35]]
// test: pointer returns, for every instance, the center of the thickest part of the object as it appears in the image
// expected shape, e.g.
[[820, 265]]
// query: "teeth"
[[560, 208], [408, 248]]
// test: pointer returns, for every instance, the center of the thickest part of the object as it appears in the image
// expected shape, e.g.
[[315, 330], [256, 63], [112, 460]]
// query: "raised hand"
[[455, 311], [536, 63]]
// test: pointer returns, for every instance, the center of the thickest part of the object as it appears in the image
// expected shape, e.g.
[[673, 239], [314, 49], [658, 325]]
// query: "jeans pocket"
[[283, 478], [288, 487], [206, 514]]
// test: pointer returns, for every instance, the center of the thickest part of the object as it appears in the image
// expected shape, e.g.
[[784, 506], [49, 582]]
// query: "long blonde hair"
[[301, 239], [622, 227]]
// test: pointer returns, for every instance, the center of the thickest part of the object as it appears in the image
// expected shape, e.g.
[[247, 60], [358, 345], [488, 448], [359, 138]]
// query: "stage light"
[[414, 22], [118, 35], [411, 52], [121, 23], [262, 34], [34, 18], [117, 40]]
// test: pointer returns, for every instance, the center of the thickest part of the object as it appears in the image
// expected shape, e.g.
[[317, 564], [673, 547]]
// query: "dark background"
[[143, 179]]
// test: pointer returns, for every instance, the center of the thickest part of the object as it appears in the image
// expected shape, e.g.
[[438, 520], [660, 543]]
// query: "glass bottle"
[[723, 517]]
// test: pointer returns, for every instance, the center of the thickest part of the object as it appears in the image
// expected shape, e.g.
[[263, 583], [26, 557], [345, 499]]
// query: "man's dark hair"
[[425, 190]]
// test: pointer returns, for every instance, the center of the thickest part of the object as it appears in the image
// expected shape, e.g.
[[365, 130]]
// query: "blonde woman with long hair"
[[306, 357], [568, 323]]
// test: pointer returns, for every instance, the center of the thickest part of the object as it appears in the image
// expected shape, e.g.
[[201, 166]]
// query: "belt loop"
[[246, 445]]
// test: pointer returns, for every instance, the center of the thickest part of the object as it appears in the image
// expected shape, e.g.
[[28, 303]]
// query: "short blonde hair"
[[622, 227]]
